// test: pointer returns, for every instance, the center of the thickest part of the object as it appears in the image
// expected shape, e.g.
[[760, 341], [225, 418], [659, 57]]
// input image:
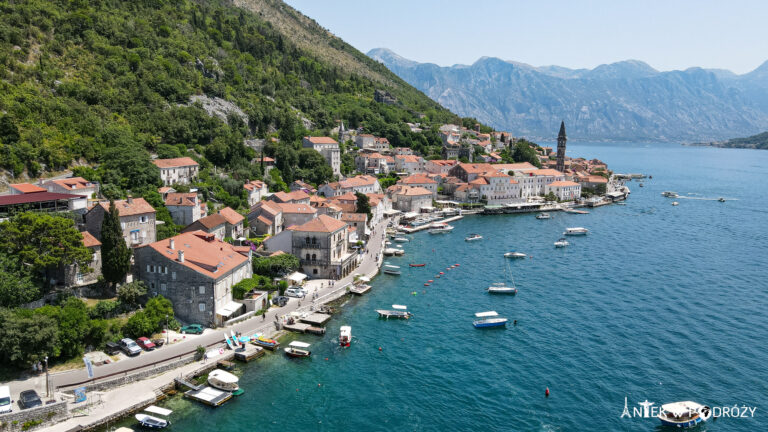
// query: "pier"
[[249, 353], [429, 225], [301, 327], [359, 289], [185, 383], [316, 319], [209, 396]]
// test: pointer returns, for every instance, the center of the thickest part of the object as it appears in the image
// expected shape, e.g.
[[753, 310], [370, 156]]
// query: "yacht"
[[543, 216], [391, 269], [223, 380], [397, 311], [515, 255], [489, 319], [473, 237], [576, 231], [501, 288], [561, 243], [683, 414]]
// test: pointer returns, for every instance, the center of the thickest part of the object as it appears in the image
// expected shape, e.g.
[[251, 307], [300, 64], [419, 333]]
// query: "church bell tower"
[[561, 139]]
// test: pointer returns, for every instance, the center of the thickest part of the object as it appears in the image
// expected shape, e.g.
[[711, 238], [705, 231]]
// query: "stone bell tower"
[[561, 139]]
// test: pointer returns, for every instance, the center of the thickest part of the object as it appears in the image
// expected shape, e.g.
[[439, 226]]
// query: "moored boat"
[[515, 255], [417, 265], [561, 243], [683, 414], [576, 231], [298, 349], [440, 228], [397, 311], [151, 422], [223, 380], [543, 216], [401, 239], [501, 288], [345, 336], [391, 269], [473, 237], [265, 342], [489, 319]]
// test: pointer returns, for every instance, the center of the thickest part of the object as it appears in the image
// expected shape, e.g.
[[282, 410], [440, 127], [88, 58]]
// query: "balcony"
[[314, 262], [304, 245]]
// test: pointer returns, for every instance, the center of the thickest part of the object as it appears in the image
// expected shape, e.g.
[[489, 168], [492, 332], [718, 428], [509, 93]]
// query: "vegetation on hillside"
[[759, 141]]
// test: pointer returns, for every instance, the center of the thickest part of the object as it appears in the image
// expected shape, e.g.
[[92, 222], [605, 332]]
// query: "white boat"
[[515, 255], [489, 319], [153, 422], [561, 243], [401, 239], [543, 216], [345, 336], [675, 203], [473, 237], [441, 229], [669, 194], [298, 349], [223, 380], [683, 414], [397, 311], [389, 251], [576, 231], [391, 269], [501, 288]]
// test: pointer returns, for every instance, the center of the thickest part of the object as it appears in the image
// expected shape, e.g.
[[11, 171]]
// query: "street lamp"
[[167, 336], [47, 384]]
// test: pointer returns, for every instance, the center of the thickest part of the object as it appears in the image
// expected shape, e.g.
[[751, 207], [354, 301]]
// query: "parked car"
[[280, 301], [129, 347], [145, 343], [295, 292], [29, 399], [5, 400], [112, 348], [158, 342], [192, 329]]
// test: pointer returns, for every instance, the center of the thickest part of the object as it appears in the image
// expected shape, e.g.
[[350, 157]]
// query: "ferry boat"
[[669, 194], [345, 336], [223, 380], [265, 342], [576, 231], [441, 229], [543, 216], [489, 319], [391, 269], [297, 349], [501, 288], [397, 311], [473, 237], [683, 414], [561, 243], [515, 255], [152, 422]]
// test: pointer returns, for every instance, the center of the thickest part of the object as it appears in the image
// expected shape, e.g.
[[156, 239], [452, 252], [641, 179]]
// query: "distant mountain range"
[[623, 101]]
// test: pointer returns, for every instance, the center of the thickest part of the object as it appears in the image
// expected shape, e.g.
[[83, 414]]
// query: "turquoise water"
[[657, 303]]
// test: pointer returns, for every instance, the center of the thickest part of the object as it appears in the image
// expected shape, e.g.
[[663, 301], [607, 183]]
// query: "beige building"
[[181, 170], [420, 180], [137, 219], [565, 190], [73, 185], [184, 208], [329, 148], [409, 199], [256, 191]]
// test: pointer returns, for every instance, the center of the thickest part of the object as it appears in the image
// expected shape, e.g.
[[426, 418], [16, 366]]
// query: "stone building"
[[256, 190], [329, 148], [215, 224], [137, 219], [73, 185], [73, 275], [184, 207], [181, 170], [234, 226]]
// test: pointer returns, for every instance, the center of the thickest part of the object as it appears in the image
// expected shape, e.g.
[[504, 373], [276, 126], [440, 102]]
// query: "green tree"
[[131, 294], [73, 323], [274, 266], [313, 167], [138, 325], [363, 204], [116, 257], [524, 152], [157, 308], [26, 338], [129, 167], [16, 284]]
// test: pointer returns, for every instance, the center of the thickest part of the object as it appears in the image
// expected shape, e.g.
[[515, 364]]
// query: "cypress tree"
[[116, 257]]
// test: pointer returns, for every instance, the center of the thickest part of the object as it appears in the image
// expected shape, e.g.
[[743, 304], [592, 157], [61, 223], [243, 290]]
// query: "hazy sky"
[[669, 34]]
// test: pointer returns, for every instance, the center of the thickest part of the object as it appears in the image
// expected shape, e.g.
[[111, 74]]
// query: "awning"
[[296, 277], [230, 308]]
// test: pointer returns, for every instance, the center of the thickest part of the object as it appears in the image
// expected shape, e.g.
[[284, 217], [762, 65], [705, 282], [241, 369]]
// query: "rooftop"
[[27, 188], [354, 217], [73, 183], [124, 208], [231, 216], [89, 240], [563, 183], [175, 162], [321, 223], [203, 253], [212, 221], [187, 199], [321, 140], [417, 179]]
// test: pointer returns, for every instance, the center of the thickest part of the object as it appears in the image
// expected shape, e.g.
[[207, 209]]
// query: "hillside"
[[759, 142], [110, 82], [624, 101]]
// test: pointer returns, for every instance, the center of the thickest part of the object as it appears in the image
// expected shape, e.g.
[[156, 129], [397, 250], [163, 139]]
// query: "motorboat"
[[641, 185], [401, 239], [441, 228], [683, 414], [489, 319], [265, 342], [397, 311], [543, 216], [501, 288], [223, 380], [298, 349], [473, 237], [721, 199], [561, 243], [391, 269], [675, 203], [152, 422], [515, 255], [389, 251], [345, 336], [416, 265], [576, 231], [669, 194]]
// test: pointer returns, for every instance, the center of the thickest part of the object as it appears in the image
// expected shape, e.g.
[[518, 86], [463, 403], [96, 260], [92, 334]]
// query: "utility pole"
[[47, 381], [167, 336]]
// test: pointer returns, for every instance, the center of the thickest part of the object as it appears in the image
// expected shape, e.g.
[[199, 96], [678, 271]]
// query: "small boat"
[[397, 311], [416, 265], [441, 229], [683, 414], [674, 203], [721, 199], [265, 342], [389, 251], [489, 319], [298, 349], [235, 342], [345, 336], [641, 185], [501, 288], [543, 216], [151, 422], [576, 231], [561, 243], [401, 239], [223, 380], [391, 269], [515, 255], [669, 194], [473, 237], [228, 341]]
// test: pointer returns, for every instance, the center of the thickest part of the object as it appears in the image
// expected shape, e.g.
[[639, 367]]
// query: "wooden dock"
[[249, 353], [359, 289], [316, 318], [209, 396], [183, 382], [305, 328]]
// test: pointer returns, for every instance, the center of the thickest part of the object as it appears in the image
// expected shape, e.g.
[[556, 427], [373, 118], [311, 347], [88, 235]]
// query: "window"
[[79, 277], [307, 257], [314, 271], [202, 289], [173, 275], [148, 268], [165, 269], [314, 257], [162, 287], [201, 306], [122, 225]]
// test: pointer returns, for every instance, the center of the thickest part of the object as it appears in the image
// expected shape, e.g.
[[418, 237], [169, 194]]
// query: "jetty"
[[249, 353], [316, 318], [359, 289], [185, 383], [209, 396], [301, 327], [430, 225]]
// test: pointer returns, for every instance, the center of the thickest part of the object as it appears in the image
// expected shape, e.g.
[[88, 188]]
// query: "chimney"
[[181, 256], [130, 199], [172, 244]]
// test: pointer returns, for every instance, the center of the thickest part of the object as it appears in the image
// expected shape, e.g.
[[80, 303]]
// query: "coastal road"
[[369, 266]]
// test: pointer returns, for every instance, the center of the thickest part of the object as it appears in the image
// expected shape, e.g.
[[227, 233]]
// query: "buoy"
[[546, 392], [430, 281], [456, 265], [380, 349], [297, 389], [442, 273], [318, 384], [426, 284], [326, 359]]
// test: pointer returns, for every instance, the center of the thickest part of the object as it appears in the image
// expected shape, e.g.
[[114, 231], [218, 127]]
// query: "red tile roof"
[[354, 217], [232, 217], [545, 172], [185, 199], [124, 208], [212, 221], [89, 240], [563, 183], [73, 183], [321, 223], [202, 253], [27, 188], [175, 162], [321, 140], [416, 179], [253, 184]]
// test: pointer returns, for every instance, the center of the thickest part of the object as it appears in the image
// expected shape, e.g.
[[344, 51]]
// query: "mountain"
[[623, 101], [759, 141]]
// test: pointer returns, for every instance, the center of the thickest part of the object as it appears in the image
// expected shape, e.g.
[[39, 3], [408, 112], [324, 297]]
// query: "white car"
[[5, 400], [295, 292]]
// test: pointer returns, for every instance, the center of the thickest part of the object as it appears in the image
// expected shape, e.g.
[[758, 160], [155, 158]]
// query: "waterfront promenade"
[[117, 400]]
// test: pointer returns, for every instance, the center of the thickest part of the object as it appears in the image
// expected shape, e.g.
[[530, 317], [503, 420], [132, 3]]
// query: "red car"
[[145, 343]]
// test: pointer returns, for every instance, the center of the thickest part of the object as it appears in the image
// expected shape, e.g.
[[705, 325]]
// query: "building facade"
[[329, 148], [182, 170], [137, 219]]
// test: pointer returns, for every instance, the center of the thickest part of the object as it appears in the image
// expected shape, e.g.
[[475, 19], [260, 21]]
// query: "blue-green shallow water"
[[658, 302]]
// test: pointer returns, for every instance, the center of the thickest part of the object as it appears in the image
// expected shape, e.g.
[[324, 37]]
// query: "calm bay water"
[[657, 303]]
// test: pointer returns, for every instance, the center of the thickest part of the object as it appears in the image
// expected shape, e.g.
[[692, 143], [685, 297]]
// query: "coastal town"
[[332, 236]]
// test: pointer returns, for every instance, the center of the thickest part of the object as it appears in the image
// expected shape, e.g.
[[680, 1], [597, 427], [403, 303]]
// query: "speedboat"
[[669, 194], [561, 243], [674, 203], [440, 229], [543, 216], [223, 380], [473, 237], [576, 231], [489, 319], [401, 239], [721, 199], [391, 269], [501, 288], [683, 414], [345, 336], [515, 255], [152, 422], [298, 349], [265, 342]]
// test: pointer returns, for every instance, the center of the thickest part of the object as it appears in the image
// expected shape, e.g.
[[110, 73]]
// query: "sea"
[[658, 304]]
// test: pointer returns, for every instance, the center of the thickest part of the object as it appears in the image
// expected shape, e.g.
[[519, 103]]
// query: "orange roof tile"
[[232, 217], [175, 162], [545, 172], [89, 240], [417, 179], [563, 183], [124, 208], [354, 217], [296, 208], [321, 140], [202, 253], [186, 199], [253, 184], [27, 188], [321, 223], [73, 183], [212, 221]]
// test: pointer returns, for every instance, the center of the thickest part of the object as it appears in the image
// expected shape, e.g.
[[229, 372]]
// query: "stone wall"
[[46, 414]]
